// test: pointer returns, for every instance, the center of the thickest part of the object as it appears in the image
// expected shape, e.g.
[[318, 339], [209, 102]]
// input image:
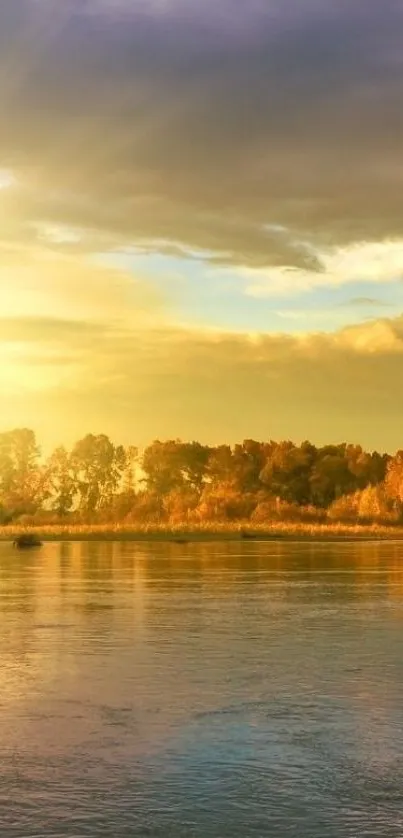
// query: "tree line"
[[172, 481]]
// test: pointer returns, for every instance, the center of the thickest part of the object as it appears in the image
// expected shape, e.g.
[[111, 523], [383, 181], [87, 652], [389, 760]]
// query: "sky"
[[201, 220]]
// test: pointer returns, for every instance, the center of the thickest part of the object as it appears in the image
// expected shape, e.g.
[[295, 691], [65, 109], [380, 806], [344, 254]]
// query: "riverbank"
[[210, 532]]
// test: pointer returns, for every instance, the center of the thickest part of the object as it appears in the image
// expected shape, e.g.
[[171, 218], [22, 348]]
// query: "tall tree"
[[162, 467], [394, 479], [330, 476], [20, 473], [173, 465], [97, 466], [124, 499], [220, 465], [287, 471], [249, 459], [60, 481]]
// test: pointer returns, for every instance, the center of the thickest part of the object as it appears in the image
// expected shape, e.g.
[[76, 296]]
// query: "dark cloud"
[[199, 124]]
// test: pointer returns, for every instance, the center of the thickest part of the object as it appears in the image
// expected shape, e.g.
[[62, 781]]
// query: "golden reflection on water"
[[164, 666], [80, 582], [38, 582], [77, 585]]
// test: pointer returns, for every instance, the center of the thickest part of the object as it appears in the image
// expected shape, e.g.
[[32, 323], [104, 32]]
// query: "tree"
[[394, 479], [364, 467], [224, 502], [173, 465], [97, 466], [331, 476], [162, 466], [249, 460], [124, 500], [60, 481], [370, 504], [194, 458], [373, 504], [187, 480], [220, 463], [287, 472], [21, 478], [180, 504]]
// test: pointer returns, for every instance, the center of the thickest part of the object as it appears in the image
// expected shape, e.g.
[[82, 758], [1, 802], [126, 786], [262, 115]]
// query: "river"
[[219, 690]]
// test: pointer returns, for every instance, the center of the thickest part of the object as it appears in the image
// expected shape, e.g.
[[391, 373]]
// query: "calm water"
[[209, 691]]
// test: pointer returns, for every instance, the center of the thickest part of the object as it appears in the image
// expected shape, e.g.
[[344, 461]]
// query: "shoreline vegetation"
[[183, 535], [187, 491]]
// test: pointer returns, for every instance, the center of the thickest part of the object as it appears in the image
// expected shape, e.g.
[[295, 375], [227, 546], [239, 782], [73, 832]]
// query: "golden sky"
[[200, 223]]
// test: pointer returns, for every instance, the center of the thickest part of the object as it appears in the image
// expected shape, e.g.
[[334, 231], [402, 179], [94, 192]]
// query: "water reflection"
[[227, 689]]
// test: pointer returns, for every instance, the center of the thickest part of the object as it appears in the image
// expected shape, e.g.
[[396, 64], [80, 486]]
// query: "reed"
[[206, 530]]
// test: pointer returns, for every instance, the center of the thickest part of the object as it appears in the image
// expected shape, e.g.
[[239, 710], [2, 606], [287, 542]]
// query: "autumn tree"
[[21, 478], [248, 461], [223, 501], [124, 500], [394, 480], [178, 480], [287, 472], [60, 481], [220, 465], [97, 465], [365, 468], [173, 465], [161, 465], [331, 476]]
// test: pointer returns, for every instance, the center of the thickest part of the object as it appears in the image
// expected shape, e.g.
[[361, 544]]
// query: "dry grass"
[[208, 531]]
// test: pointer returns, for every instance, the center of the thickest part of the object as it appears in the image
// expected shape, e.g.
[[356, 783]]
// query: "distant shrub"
[[224, 502], [371, 505], [276, 510]]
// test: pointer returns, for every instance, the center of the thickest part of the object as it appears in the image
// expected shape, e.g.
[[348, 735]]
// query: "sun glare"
[[21, 369], [7, 179]]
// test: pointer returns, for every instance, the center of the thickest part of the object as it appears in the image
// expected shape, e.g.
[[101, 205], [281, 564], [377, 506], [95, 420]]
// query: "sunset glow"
[[196, 176]]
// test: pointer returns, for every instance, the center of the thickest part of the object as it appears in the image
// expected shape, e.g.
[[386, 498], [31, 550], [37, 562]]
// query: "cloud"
[[203, 123], [263, 138], [138, 384], [37, 282], [365, 302], [373, 262], [48, 331]]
